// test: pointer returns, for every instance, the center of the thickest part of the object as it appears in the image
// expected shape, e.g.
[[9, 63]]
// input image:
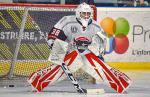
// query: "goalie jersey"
[[70, 29]]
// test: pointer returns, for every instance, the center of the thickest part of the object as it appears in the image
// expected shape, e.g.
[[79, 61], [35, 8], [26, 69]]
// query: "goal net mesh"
[[33, 50]]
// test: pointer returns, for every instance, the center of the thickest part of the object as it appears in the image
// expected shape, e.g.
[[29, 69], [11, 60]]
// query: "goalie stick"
[[63, 66], [77, 86], [73, 80]]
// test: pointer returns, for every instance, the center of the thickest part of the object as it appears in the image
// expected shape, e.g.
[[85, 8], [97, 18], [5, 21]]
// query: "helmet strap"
[[84, 22]]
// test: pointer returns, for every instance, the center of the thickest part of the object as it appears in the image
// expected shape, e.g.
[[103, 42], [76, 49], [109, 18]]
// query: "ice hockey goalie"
[[80, 43]]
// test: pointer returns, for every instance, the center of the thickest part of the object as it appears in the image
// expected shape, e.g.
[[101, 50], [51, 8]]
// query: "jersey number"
[[55, 32]]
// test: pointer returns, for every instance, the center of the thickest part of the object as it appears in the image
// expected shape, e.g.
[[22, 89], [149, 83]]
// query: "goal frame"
[[40, 6]]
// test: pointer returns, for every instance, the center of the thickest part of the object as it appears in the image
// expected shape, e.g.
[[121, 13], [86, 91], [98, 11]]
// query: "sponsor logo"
[[117, 31]]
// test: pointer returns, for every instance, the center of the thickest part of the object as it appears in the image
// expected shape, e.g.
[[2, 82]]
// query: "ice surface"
[[140, 88]]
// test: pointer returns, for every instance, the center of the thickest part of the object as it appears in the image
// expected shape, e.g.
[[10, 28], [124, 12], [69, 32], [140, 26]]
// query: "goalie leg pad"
[[39, 80], [91, 69], [116, 79]]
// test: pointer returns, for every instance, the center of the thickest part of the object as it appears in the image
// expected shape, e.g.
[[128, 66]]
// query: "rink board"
[[22, 68]]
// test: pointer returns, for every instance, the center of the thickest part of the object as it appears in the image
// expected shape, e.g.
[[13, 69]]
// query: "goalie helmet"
[[84, 13]]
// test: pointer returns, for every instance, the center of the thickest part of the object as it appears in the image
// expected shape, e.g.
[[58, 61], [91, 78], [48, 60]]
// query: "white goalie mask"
[[84, 13]]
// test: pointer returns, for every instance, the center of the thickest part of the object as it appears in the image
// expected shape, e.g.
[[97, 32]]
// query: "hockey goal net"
[[20, 56]]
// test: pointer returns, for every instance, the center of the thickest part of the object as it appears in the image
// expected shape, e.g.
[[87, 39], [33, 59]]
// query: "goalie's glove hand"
[[101, 54], [102, 51], [50, 43]]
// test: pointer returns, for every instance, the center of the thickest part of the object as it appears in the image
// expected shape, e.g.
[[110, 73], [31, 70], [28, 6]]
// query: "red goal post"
[[33, 51]]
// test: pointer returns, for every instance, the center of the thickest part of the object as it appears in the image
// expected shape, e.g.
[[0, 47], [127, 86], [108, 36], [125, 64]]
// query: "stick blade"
[[95, 91]]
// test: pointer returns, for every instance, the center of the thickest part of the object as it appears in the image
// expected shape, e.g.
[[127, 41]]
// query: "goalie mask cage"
[[23, 49]]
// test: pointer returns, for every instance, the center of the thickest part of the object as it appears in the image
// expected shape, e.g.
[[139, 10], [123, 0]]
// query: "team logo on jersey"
[[74, 29]]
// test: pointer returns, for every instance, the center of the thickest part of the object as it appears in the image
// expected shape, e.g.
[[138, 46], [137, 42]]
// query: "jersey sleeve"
[[101, 37], [57, 30], [98, 28]]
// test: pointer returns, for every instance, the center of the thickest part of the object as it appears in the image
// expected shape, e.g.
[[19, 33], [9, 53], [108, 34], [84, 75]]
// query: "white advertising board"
[[138, 35]]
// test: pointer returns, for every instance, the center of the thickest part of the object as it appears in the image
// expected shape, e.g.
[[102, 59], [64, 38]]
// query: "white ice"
[[140, 87]]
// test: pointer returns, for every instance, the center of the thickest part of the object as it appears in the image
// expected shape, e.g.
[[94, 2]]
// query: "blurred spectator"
[[6, 1], [144, 2], [141, 3], [91, 2], [53, 1], [38, 1]]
